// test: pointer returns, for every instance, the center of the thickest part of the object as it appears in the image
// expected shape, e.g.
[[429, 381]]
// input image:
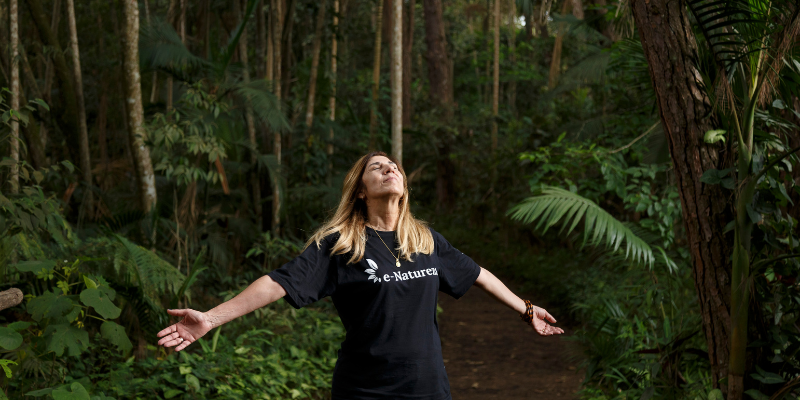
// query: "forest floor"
[[489, 353]]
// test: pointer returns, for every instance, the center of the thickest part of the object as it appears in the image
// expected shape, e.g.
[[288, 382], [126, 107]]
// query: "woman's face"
[[382, 179]]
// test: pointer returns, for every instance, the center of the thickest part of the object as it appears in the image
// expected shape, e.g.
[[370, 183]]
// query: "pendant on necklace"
[[397, 263]]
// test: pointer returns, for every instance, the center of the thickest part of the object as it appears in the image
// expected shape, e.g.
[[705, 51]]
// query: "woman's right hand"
[[192, 327]]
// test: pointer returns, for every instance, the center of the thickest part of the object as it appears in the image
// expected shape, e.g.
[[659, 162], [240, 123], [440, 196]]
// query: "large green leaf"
[[76, 392], [115, 334], [553, 206], [35, 266], [9, 338], [57, 308], [98, 299], [65, 336]]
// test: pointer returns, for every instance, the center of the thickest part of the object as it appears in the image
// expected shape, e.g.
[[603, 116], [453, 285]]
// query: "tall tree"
[[86, 161], [249, 119], [15, 92], [69, 109], [512, 53], [441, 96], [376, 75], [408, 47], [332, 98], [670, 48], [496, 73], [397, 80], [312, 80], [277, 29], [137, 135]]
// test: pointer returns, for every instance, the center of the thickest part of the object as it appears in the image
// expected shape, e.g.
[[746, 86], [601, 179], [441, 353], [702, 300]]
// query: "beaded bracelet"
[[528, 316]]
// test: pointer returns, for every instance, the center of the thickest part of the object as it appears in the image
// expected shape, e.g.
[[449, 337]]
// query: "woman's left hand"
[[539, 324]]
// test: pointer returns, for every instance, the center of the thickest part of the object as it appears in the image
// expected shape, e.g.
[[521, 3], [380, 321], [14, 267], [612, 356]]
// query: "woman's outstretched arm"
[[489, 283], [195, 324]]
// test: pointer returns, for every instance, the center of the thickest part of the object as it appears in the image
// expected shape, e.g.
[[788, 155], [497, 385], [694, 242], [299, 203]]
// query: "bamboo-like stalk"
[[397, 80], [277, 8], [312, 80], [376, 76], [496, 73], [332, 98], [15, 92], [86, 163], [251, 123]]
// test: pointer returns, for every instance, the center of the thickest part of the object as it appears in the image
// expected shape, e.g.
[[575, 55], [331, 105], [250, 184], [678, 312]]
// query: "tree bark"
[[397, 80], [67, 96], [512, 54], [251, 123], [555, 60], [15, 92], [312, 81], [134, 110], [277, 9], [11, 297], [496, 73], [670, 49], [408, 47], [332, 98], [86, 160], [376, 76]]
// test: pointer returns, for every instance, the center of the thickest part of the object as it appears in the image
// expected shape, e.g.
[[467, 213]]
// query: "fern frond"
[[153, 275], [553, 205]]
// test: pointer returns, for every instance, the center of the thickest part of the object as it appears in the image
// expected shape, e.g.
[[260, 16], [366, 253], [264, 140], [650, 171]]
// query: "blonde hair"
[[350, 219]]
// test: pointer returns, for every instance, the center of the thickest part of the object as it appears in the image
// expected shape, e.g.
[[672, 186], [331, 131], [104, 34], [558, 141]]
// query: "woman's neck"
[[383, 214]]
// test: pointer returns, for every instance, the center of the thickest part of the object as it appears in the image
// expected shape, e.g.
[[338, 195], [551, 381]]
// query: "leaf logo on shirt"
[[371, 271]]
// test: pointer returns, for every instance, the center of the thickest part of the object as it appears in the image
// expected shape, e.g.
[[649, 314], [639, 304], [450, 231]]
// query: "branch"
[[776, 259], [775, 162], [635, 140]]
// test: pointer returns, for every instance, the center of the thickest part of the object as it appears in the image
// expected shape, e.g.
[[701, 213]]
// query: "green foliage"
[[551, 204]]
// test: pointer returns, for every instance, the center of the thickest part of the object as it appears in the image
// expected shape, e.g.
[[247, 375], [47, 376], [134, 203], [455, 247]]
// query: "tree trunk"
[[15, 92], [408, 47], [332, 99], [441, 96], [69, 115], [376, 76], [48, 72], [312, 81], [496, 73], [671, 51], [34, 131], [261, 38], [154, 84], [133, 107], [397, 80], [277, 8], [512, 53], [555, 60], [251, 123], [86, 160]]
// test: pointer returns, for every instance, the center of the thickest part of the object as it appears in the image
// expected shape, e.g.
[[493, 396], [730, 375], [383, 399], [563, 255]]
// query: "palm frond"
[[233, 42], [161, 48], [553, 205], [264, 103]]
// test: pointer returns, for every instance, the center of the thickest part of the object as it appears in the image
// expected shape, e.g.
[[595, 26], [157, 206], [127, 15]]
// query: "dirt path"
[[489, 353]]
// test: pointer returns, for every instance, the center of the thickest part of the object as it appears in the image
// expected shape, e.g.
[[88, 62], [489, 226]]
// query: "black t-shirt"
[[392, 347]]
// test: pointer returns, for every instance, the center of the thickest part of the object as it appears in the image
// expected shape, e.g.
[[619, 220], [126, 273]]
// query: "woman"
[[383, 269]]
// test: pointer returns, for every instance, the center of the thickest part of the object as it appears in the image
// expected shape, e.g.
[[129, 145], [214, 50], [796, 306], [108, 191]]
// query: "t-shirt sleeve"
[[310, 276], [457, 271]]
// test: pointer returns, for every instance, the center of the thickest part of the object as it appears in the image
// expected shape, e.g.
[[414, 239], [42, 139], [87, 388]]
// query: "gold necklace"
[[397, 259]]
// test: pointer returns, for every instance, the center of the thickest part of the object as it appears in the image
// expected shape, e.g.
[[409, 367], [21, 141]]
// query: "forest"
[[632, 163]]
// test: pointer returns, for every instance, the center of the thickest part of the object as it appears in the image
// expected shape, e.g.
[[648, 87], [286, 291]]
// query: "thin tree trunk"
[[171, 17], [15, 92], [261, 38], [397, 80], [133, 107], [555, 61], [332, 98], [376, 76], [408, 47], [670, 49], [496, 73], [69, 115], [251, 123], [48, 71], [312, 82], [277, 6], [154, 84], [34, 131], [86, 160], [512, 53]]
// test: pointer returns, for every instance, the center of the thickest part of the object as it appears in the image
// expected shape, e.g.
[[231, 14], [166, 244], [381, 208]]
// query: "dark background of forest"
[[247, 151]]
